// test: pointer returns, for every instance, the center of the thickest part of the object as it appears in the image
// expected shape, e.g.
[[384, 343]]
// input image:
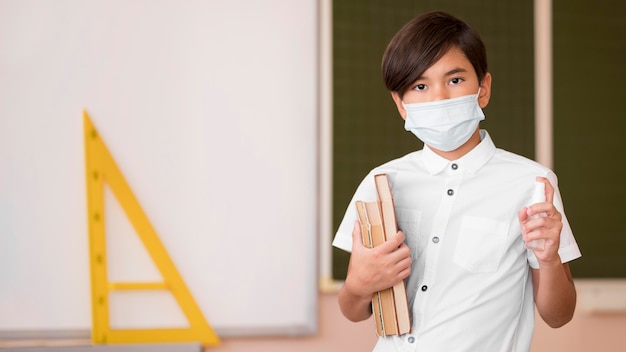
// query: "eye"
[[456, 80], [419, 86]]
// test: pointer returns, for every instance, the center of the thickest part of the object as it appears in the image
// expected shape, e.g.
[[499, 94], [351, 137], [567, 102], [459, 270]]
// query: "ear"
[[485, 91], [398, 100]]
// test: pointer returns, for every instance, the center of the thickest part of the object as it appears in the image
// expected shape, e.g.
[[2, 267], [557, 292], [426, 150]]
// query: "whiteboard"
[[210, 110]]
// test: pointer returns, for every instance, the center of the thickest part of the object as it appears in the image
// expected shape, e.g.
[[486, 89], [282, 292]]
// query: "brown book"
[[389, 306], [385, 199], [366, 233]]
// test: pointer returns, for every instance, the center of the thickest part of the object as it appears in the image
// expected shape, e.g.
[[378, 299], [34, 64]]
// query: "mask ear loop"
[[478, 97]]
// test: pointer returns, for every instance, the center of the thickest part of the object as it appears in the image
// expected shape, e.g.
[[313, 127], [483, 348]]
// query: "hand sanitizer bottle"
[[539, 196]]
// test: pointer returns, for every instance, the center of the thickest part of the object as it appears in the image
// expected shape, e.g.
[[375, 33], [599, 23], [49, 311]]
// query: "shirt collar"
[[472, 161]]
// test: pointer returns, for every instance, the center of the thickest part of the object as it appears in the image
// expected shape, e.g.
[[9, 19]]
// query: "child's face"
[[451, 77]]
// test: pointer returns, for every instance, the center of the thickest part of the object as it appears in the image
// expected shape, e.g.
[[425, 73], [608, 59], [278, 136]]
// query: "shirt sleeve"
[[366, 191], [568, 248]]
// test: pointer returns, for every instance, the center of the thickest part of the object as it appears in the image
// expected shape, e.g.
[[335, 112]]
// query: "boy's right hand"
[[375, 269]]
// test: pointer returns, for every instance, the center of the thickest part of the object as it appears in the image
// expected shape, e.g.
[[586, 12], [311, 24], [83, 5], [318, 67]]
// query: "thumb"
[[357, 236]]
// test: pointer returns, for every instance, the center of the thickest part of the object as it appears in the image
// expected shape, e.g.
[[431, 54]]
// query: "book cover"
[[385, 297]]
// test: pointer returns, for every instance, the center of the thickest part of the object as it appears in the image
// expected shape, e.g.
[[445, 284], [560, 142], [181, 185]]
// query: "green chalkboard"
[[589, 129], [366, 125]]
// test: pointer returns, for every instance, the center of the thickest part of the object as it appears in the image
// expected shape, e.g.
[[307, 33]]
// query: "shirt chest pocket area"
[[408, 222], [481, 244]]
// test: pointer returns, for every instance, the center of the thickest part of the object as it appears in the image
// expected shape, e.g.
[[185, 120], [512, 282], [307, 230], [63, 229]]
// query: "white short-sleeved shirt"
[[470, 287]]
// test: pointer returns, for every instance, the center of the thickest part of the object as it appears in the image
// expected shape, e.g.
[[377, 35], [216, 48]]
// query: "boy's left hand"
[[547, 228]]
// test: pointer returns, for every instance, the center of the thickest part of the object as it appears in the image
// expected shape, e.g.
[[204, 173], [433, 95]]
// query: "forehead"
[[454, 60]]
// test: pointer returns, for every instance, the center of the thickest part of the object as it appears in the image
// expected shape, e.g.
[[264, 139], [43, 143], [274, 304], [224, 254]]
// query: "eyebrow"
[[455, 71], [452, 72]]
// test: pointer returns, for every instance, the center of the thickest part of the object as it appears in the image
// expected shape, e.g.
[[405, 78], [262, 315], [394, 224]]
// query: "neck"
[[462, 150]]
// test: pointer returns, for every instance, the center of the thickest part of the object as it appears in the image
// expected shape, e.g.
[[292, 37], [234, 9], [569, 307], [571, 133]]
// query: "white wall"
[[210, 110]]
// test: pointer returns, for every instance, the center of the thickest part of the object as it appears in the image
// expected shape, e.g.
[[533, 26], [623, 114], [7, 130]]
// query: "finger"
[[522, 215], [405, 261], [405, 273], [532, 235], [394, 241], [357, 236], [400, 253]]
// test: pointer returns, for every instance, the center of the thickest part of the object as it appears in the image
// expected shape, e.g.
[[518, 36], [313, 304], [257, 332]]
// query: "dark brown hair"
[[421, 42]]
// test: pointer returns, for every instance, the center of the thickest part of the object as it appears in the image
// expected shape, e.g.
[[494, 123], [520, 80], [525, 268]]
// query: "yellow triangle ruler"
[[100, 169]]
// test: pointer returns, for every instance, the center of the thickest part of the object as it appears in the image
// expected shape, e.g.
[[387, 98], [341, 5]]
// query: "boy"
[[463, 209]]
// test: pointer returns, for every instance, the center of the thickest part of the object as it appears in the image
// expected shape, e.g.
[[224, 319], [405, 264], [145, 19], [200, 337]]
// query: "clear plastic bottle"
[[539, 196]]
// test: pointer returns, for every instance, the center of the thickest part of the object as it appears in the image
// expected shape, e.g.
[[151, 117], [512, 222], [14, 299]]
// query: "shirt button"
[[454, 166], [424, 288], [411, 339], [435, 239], [450, 192]]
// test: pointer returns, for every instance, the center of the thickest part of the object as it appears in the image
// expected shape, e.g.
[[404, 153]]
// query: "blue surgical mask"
[[444, 124]]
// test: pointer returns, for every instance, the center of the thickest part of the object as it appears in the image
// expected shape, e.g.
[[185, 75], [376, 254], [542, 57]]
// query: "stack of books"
[[378, 221]]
